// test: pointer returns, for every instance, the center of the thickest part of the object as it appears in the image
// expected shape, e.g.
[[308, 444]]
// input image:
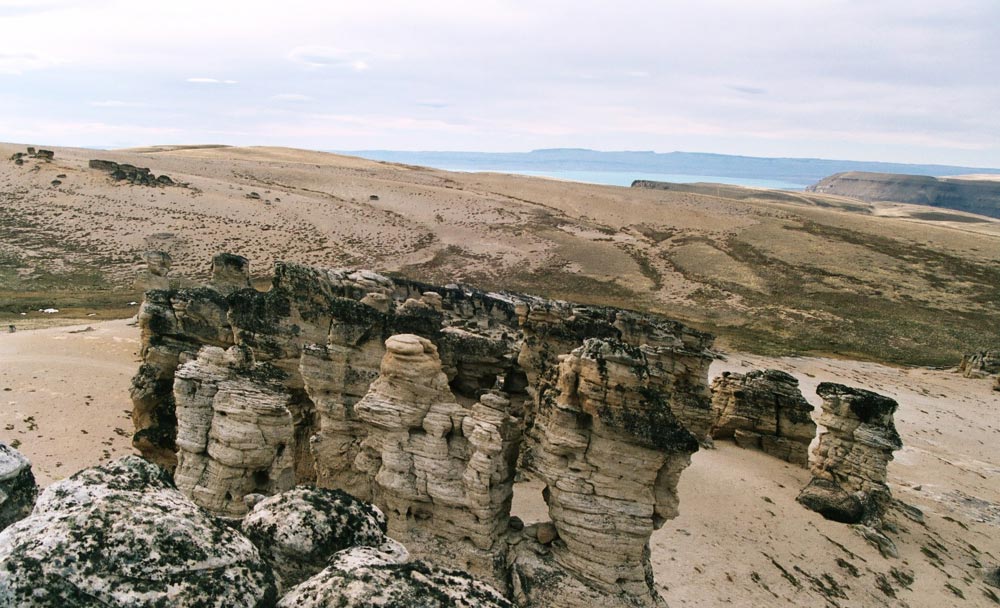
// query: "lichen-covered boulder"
[[298, 531], [17, 486], [121, 535], [357, 579]]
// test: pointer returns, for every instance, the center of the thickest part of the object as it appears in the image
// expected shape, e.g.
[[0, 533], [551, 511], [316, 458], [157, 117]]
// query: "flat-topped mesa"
[[764, 410], [980, 364], [417, 397], [610, 453], [849, 461]]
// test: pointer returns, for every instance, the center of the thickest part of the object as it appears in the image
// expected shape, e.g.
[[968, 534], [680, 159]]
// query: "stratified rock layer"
[[610, 453], [420, 399], [120, 535], [764, 410], [980, 364], [17, 486], [849, 461]]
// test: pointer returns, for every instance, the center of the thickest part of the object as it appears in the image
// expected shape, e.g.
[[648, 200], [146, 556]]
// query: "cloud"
[[437, 104], [319, 57], [746, 89], [117, 103], [18, 63], [200, 80], [291, 97]]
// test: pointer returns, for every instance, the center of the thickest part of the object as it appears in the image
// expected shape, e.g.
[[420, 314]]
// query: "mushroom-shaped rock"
[[354, 580], [17, 486], [298, 531], [853, 452], [119, 535]]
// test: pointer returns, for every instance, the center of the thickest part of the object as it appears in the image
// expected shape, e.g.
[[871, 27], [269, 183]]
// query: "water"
[[625, 178]]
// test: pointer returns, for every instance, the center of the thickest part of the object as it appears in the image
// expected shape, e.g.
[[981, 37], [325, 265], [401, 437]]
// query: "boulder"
[[763, 410], [120, 535], [230, 273], [298, 531], [356, 580], [17, 486]]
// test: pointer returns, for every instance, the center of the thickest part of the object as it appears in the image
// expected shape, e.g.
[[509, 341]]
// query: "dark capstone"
[[832, 502], [866, 405]]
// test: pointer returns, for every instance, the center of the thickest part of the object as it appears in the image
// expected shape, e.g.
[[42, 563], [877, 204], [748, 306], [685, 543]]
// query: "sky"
[[892, 80]]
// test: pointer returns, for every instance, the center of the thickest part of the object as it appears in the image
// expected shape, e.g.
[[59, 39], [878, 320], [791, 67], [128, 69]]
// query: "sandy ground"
[[740, 540], [64, 395]]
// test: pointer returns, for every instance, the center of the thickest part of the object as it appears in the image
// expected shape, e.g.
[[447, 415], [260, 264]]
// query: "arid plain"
[[868, 291]]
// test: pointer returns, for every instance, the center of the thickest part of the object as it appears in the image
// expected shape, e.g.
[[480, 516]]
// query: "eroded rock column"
[[849, 462], [610, 453], [442, 473]]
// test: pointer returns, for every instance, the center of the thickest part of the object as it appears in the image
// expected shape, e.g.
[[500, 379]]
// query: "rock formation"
[[610, 453], [154, 276], [419, 399], [300, 530], [139, 176], [763, 410], [980, 364], [849, 462], [17, 486], [120, 535]]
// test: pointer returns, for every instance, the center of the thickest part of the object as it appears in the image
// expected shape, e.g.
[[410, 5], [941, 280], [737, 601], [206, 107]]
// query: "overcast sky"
[[895, 80]]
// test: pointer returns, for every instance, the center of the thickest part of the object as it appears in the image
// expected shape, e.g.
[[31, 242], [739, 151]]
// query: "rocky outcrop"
[[17, 486], [443, 473], [420, 399], [849, 461], [980, 364], [120, 535], [230, 273], [610, 452], [139, 176], [235, 432], [763, 410], [154, 276], [298, 531]]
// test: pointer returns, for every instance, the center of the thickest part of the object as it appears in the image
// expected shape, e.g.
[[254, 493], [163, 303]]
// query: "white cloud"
[[291, 97], [318, 57], [116, 103], [201, 80]]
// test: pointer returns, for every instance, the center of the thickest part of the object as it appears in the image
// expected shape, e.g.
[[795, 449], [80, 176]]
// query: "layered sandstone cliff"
[[421, 399]]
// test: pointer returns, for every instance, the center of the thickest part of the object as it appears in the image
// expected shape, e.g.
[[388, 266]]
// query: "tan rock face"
[[980, 364], [610, 453], [849, 462], [764, 410], [154, 276], [421, 399], [235, 433]]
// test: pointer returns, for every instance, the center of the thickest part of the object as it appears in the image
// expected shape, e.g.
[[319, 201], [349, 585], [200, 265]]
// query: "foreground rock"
[[121, 535], [298, 531], [849, 462], [420, 399], [17, 486], [364, 578], [764, 410]]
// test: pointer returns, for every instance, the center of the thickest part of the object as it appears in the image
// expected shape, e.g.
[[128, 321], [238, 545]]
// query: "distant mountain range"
[[803, 171]]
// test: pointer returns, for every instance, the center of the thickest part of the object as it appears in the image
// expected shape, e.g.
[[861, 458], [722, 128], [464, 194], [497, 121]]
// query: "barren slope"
[[769, 273]]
